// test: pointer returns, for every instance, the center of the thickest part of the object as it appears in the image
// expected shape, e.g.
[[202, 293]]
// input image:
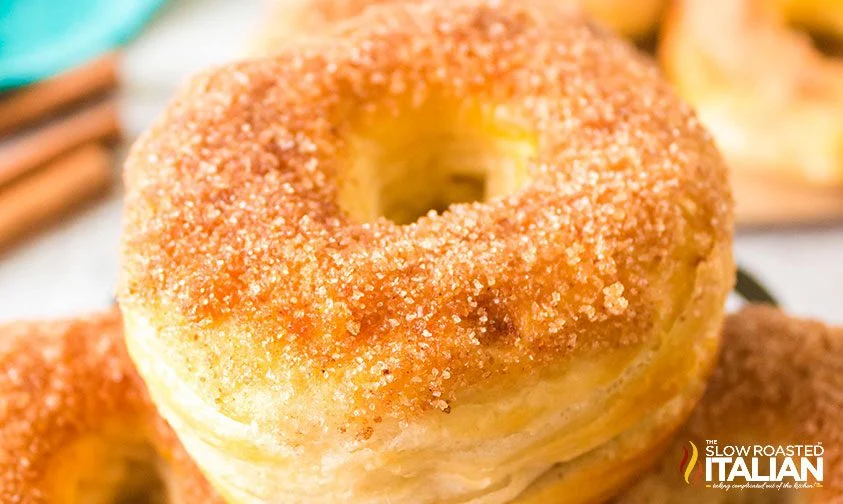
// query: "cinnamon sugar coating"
[[66, 382], [238, 252]]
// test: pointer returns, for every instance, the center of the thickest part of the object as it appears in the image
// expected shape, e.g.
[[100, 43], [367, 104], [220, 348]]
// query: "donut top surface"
[[251, 243]]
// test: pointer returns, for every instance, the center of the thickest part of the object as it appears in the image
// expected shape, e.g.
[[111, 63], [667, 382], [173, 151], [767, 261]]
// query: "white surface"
[[71, 267]]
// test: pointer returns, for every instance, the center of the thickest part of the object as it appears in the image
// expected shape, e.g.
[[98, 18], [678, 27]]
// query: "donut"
[[426, 259], [772, 100], [785, 390], [293, 19], [76, 424], [779, 381]]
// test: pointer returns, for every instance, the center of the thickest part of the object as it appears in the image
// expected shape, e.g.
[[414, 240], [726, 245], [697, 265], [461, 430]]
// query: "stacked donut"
[[76, 425], [443, 252]]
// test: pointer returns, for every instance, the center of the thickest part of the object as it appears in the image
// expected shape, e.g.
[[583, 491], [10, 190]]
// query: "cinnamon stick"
[[45, 194], [36, 101], [97, 122]]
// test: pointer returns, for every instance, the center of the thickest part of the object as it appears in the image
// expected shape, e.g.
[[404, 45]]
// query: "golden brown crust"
[[779, 381], [231, 214], [66, 381]]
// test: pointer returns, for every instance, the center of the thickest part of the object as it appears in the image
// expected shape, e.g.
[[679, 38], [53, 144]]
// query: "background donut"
[[291, 19], [76, 425], [772, 100]]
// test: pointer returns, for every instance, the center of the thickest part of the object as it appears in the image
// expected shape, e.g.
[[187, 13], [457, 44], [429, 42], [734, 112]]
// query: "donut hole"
[[827, 43], [404, 165], [110, 468], [821, 24]]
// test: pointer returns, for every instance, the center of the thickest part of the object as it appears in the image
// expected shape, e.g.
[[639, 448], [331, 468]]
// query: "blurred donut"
[[773, 102], [76, 425], [292, 19]]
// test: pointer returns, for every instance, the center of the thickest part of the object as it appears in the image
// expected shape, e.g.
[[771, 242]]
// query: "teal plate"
[[40, 38]]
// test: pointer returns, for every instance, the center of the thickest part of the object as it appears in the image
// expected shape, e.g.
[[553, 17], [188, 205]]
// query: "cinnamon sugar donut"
[[779, 381], [76, 425], [292, 19], [426, 260], [773, 102]]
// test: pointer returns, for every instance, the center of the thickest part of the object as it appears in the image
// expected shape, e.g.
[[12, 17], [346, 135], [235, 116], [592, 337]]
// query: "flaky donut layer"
[[538, 440], [773, 102], [779, 381], [76, 425], [303, 344]]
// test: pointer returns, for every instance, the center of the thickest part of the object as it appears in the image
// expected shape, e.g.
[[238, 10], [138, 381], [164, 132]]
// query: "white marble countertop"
[[70, 267]]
